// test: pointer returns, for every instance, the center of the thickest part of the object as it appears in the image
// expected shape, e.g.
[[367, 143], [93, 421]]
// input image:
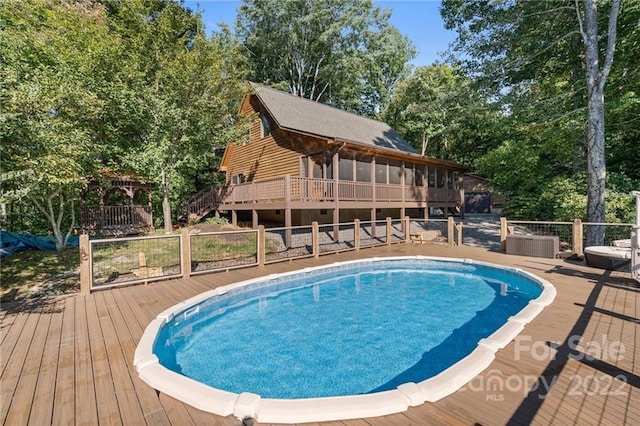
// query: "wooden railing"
[[116, 217], [105, 263], [292, 188]]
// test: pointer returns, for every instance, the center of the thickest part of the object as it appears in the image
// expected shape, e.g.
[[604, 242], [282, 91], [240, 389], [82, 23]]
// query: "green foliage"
[[132, 85], [52, 55], [435, 110], [213, 220], [340, 52], [528, 59]]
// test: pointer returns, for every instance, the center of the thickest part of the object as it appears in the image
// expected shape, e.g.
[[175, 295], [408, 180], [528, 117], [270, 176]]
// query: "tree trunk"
[[166, 205], [596, 78]]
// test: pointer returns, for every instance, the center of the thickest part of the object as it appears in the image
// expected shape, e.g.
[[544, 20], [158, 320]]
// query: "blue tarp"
[[11, 242]]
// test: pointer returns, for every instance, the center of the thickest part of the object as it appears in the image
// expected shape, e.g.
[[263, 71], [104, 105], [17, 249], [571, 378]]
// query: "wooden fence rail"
[[129, 260]]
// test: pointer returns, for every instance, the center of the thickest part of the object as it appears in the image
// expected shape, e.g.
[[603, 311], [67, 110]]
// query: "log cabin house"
[[306, 161]]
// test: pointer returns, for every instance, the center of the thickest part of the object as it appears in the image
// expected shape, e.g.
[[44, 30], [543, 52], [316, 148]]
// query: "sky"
[[419, 20]]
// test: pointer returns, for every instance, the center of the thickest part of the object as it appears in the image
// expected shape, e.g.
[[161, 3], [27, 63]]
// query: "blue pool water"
[[353, 329]]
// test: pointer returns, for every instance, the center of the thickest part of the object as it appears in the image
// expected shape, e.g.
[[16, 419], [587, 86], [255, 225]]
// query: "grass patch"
[[35, 273]]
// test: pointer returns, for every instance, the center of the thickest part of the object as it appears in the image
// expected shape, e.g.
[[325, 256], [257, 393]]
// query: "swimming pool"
[[348, 340]]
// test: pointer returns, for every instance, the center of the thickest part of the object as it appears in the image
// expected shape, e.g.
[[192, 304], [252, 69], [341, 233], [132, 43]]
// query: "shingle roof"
[[303, 115]]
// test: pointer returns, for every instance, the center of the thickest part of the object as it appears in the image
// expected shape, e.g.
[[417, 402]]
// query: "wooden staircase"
[[202, 203]]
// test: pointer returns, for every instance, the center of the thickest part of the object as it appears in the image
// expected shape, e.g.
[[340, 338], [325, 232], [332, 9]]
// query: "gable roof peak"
[[294, 113]]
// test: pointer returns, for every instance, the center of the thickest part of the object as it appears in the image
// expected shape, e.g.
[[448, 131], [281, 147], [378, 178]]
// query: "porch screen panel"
[[346, 169], [381, 171], [442, 177], [329, 166], [409, 174], [419, 175], [432, 177], [363, 169], [317, 168], [395, 173]]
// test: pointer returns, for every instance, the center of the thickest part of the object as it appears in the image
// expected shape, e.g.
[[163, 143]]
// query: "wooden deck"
[[68, 360]]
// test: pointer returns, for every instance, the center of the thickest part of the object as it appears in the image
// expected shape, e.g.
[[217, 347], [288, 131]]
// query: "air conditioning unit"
[[533, 245]]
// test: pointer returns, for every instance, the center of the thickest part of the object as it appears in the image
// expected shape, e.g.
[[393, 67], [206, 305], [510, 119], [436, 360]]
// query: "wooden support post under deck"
[[234, 217], [406, 228], [389, 232], [185, 253], [356, 234], [254, 219], [85, 265], [373, 222]]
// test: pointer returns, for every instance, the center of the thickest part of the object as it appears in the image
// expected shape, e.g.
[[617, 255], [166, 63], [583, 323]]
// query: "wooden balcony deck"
[[68, 360], [301, 192]]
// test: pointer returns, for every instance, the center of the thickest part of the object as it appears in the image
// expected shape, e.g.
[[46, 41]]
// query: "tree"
[[340, 52], [51, 54], [190, 86], [538, 62], [596, 77], [426, 107]]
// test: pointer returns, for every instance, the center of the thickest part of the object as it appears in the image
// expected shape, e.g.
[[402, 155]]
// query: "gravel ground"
[[481, 231]]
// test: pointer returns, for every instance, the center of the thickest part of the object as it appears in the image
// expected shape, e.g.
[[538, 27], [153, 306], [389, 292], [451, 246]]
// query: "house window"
[[237, 179], [266, 128]]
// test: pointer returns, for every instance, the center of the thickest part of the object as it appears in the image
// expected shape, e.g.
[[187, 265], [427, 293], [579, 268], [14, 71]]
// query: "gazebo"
[[116, 204]]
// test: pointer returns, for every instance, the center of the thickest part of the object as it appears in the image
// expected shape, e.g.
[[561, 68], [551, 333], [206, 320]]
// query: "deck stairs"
[[202, 203]]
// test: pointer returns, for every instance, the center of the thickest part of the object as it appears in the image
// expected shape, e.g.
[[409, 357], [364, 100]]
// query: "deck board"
[[64, 395], [24, 394], [126, 397], [105, 395], [86, 405], [45, 388], [69, 359]]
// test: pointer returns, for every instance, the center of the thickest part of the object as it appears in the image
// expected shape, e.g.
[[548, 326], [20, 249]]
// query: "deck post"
[[185, 253], [261, 245], [389, 233], [459, 234], [356, 234], [234, 217], [315, 239], [287, 210], [85, 265], [373, 222], [254, 219], [450, 231], [406, 228], [577, 237], [503, 233]]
